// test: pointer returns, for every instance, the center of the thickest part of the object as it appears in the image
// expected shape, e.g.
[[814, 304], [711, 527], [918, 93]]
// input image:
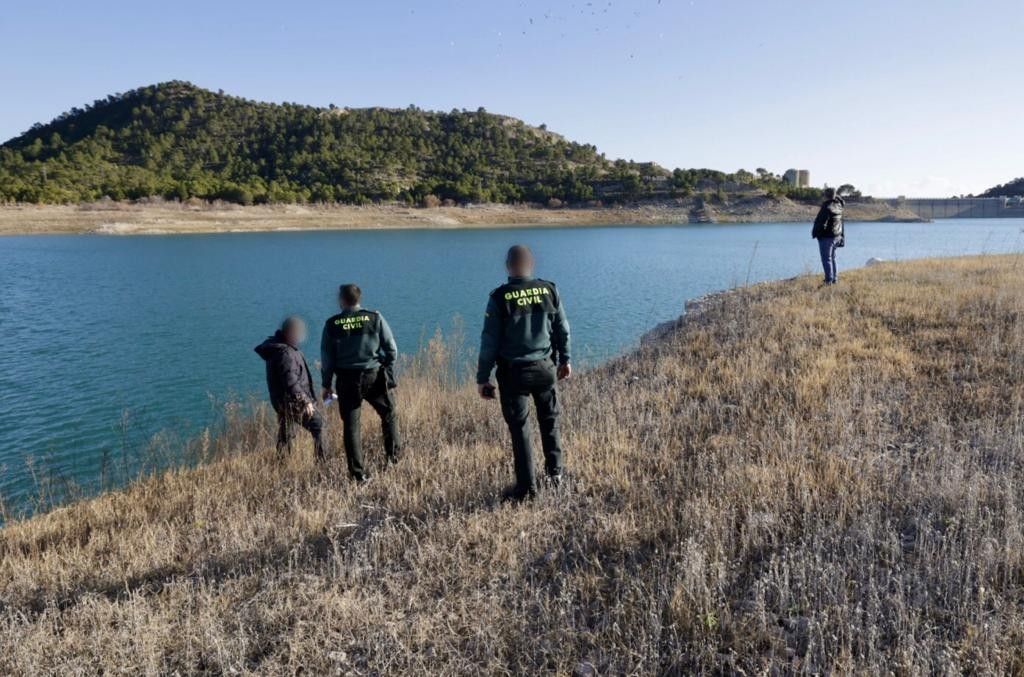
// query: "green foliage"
[[178, 141], [1013, 188], [848, 190], [805, 194]]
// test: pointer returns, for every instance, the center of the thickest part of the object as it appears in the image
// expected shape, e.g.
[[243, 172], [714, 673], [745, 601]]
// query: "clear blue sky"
[[897, 97]]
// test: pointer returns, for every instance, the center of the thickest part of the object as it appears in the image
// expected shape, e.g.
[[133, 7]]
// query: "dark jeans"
[[827, 247], [518, 383], [355, 386], [286, 424]]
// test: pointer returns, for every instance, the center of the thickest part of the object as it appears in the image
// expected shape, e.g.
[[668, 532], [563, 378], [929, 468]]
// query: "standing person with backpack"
[[828, 231]]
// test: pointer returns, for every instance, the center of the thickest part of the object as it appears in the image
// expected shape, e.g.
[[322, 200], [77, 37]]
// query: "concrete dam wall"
[[963, 208]]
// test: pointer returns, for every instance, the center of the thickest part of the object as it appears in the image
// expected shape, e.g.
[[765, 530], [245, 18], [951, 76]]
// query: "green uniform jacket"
[[355, 339], [525, 322]]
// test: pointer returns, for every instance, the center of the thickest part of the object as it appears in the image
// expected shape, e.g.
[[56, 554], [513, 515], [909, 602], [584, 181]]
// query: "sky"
[[895, 97]]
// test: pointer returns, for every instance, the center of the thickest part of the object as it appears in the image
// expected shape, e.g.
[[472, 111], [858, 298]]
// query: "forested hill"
[[179, 141], [1013, 188]]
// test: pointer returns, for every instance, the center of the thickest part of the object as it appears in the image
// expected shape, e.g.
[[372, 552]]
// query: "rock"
[[874, 261]]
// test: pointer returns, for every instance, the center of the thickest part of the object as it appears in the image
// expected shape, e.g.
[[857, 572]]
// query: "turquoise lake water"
[[111, 340]]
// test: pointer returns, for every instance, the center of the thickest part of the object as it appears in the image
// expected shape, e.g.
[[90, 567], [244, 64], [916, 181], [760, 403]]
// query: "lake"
[[110, 340]]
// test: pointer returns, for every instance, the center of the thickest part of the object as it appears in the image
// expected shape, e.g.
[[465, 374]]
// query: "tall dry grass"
[[797, 480]]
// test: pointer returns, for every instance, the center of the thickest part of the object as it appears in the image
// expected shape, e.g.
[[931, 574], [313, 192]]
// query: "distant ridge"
[[178, 141], [1013, 188]]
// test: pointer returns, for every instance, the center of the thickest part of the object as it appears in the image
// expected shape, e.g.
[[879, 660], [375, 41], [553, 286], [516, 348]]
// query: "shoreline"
[[693, 311], [721, 416], [173, 218]]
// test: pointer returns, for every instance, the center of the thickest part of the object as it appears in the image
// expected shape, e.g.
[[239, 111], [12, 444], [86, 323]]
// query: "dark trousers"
[[518, 383], [288, 421], [827, 249], [355, 386]]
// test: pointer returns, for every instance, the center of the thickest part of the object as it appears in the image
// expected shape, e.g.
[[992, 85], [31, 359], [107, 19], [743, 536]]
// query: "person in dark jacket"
[[526, 334], [358, 350], [828, 231], [291, 385]]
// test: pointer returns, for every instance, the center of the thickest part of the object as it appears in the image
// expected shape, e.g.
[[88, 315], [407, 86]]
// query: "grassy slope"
[[801, 478]]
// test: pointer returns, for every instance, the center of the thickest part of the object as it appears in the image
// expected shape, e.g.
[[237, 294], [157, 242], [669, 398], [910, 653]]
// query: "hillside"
[[178, 141], [796, 479], [1013, 188]]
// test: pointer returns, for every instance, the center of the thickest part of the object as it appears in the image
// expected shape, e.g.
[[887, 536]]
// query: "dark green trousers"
[[518, 383], [354, 387]]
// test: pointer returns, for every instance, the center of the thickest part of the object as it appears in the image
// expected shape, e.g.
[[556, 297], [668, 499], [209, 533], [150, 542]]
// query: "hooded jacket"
[[829, 222], [288, 378]]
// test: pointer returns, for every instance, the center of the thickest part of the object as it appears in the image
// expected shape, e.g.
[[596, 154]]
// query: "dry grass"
[[799, 480]]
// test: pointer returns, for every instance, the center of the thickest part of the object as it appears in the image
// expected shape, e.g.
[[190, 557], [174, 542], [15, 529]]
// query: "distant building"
[[800, 178]]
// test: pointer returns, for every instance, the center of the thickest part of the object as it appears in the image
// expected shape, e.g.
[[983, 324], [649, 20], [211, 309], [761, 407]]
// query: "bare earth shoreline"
[[168, 218]]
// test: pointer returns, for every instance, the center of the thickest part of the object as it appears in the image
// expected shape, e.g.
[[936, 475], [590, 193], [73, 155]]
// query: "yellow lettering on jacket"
[[529, 300], [351, 322], [524, 297]]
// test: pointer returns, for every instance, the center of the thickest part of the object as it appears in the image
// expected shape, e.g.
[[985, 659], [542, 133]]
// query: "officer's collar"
[[519, 278], [353, 309]]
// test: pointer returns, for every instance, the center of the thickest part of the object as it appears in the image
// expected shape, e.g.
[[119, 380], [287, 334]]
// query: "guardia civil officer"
[[526, 334], [357, 355], [291, 385]]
